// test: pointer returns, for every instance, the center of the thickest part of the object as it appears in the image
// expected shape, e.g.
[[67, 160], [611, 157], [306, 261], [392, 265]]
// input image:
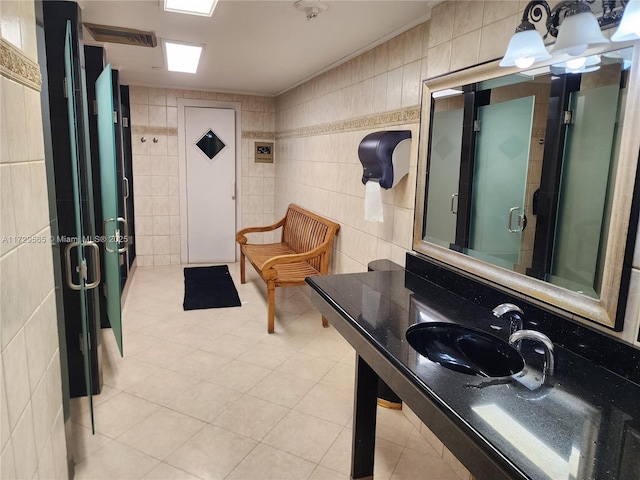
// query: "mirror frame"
[[606, 310]]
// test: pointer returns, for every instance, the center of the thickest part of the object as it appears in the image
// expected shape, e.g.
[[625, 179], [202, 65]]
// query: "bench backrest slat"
[[303, 231]]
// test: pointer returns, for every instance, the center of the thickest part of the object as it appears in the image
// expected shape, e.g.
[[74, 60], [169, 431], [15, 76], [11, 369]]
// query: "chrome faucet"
[[549, 352], [513, 313]]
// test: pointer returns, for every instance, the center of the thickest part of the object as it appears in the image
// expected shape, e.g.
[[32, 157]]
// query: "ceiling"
[[253, 47]]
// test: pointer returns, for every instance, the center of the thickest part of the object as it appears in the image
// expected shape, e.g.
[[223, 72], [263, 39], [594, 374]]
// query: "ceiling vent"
[[127, 36]]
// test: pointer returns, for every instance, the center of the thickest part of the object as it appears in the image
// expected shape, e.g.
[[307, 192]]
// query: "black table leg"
[[364, 421]]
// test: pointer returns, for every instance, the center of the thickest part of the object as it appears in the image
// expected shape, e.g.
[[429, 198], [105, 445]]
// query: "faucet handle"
[[505, 308], [513, 312]]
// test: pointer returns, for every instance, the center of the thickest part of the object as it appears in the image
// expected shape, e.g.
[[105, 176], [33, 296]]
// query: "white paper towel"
[[373, 201]]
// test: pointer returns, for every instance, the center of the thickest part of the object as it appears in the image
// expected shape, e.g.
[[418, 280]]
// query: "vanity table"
[[584, 425]]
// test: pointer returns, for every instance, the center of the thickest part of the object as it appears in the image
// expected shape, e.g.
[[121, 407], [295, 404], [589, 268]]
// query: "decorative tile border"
[[144, 130], [398, 117], [18, 67], [249, 135]]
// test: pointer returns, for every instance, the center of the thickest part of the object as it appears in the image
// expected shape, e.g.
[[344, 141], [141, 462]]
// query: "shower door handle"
[[519, 221], [117, 237], [453, 198], [82, 268]]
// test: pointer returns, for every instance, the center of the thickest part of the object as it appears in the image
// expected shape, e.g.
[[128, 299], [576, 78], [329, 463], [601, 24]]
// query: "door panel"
[[444, 177], [499, 181], [586, 170], [211, 204], [79, 262], [114, 225]]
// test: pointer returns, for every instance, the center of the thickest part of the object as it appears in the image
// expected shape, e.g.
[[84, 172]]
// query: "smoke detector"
[[311, 8]]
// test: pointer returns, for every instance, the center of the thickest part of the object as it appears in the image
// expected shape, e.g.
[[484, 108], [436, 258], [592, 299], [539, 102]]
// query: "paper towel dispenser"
[[385, 156]]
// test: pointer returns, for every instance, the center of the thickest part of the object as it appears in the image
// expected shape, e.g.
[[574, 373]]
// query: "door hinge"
[[104, 290], [115, 117], [64, 87], [567, 117], [125, 122], [95, 107], [81, 342], [476, 125]]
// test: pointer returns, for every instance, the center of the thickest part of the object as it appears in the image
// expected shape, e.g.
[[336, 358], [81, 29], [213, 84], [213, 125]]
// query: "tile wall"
[[32, 438], [154, 115]]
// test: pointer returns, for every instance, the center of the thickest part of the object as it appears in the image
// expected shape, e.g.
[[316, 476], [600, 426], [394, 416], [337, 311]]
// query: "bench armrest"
[[293, 258], [242, 239]]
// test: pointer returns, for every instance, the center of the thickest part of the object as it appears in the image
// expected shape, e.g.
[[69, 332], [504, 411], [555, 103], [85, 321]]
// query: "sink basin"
[[465, 350]]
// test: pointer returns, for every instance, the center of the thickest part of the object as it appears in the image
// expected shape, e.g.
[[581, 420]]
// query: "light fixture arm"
[[535, 10]]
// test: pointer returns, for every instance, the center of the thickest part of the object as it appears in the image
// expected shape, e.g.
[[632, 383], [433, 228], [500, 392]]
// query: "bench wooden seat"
[[303, 251]]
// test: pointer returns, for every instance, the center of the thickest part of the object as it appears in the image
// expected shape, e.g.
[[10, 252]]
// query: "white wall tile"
[[16, 377]]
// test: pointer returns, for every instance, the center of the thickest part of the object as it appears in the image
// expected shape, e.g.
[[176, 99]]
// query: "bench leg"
[[325, 322], [242, 279], [271, 304]]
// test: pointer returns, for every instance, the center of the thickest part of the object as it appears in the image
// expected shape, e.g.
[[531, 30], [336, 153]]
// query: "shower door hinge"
[[64, 87], [81, 341], [476, 125], [115, 117], [125, 122], [567, 117], [104, 289], [95, 108]]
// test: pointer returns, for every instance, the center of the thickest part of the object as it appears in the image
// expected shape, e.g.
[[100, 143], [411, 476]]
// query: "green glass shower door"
[[584, 197], [82, 255], [114, 237], [499, 181], [444, 177]]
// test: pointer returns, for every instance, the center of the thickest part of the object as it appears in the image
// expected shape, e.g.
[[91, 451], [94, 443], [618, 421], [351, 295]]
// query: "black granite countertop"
[[584, 425]]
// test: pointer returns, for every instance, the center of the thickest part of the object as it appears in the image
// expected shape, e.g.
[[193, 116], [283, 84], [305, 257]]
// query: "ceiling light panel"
[[182, 57], [203, 8]]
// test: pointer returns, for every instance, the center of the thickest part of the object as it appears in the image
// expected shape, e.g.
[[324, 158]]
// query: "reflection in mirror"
[[520, 169]]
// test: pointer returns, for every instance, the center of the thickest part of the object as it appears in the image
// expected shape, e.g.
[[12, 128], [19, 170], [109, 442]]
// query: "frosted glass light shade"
[[629, 28], [525, 48], [577, 33]]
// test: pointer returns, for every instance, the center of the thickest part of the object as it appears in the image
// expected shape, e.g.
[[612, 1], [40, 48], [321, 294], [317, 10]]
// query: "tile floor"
[[208, 394]]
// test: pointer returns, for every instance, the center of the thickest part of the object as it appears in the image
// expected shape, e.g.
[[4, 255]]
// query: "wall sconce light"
[[574, 25]]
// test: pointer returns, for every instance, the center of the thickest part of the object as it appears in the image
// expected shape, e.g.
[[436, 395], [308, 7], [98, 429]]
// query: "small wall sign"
[[264, 152]]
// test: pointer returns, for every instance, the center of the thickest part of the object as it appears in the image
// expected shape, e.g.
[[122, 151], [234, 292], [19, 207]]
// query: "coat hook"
[[155, 140], [142, 139]]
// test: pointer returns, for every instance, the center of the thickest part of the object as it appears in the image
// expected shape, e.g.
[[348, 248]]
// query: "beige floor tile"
[[228, 346], [431, 467], [251, 417], [162, 387], [127, 372], [239, 376], [118, 414], [196, 336], [212, 453], [393, 426], [204, 401], [303, 435], [84, 443], [341, 376], [329, 403], [307, 367], [266, 355], [161, 433], [164, 471], [115, 460], [282, 389], [268, 463], [164, 353], [199, 364], [322, 473], [338, 457]]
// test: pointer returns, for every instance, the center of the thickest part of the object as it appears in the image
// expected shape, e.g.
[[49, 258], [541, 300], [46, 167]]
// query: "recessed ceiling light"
[[182, 57], [192, 7]]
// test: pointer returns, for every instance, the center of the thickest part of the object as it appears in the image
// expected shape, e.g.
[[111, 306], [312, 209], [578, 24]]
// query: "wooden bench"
[[303, 251]]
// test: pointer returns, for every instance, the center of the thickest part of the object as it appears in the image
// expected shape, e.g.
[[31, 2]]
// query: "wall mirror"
[[526, 179]]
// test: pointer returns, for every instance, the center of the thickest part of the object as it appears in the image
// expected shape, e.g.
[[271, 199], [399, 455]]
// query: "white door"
[[211, 175]]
